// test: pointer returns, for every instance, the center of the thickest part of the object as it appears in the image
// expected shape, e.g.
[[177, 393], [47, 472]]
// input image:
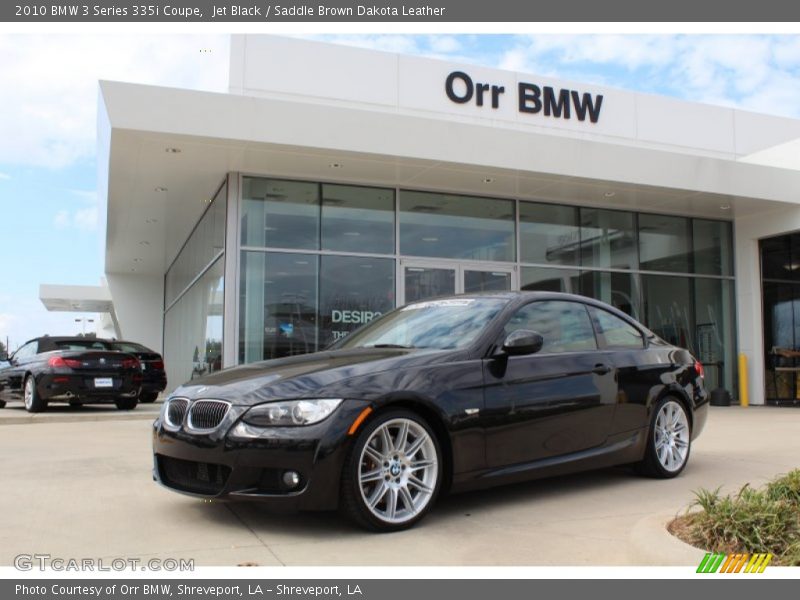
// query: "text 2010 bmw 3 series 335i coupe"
[[443, 395]]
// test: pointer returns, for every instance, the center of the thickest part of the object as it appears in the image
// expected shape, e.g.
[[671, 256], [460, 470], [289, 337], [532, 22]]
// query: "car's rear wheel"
[[393, 472], [126, 403], [668, 441], [148, 397], [30, 395]]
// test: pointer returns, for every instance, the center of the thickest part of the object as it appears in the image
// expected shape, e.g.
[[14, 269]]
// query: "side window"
[[616, 332], [565, 326]]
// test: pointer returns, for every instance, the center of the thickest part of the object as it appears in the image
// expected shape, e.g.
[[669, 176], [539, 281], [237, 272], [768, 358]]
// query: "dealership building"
[[331, 184]]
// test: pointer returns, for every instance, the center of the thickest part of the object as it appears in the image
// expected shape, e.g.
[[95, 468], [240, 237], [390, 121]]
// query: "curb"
[[24, 420], [653, 545]]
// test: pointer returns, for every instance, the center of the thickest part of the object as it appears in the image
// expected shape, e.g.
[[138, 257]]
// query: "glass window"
[[608, 239], [713, 247], [715, 338], [616, 332], [620, 290], [549, 234], [550, 280], [357, 219], [204, 245], [464, 227], [352, 292], [664, 243], [280, 214], [564, 326], [486, 281], [780, 258], [428, 282], [278, 306], [667, 308], [193, 329]]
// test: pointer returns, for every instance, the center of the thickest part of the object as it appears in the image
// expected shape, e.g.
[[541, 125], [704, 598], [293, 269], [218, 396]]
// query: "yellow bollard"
[[744, 399]]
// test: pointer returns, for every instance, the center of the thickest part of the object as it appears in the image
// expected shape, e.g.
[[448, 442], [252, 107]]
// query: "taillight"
[[157, 364], [698, 368], [59, 362], [131, 363]]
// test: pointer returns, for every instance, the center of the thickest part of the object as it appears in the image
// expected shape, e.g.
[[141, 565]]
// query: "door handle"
[[601, 369]]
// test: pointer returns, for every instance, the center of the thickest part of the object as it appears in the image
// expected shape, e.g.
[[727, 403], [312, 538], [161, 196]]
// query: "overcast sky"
[[48, 200]]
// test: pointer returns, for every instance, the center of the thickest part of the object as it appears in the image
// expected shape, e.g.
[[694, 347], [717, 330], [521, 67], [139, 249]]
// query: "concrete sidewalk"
[[84, 489]]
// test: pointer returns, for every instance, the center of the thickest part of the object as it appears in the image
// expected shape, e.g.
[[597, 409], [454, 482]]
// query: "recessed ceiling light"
[[133, 270], [144, 243], [610, 194], [488, 180], [172, 150], [151, 221], [352, 233], [335, 165], [301, 262], [160, 189], [137, 260], [725, 207], [365, 266], [430, 239]]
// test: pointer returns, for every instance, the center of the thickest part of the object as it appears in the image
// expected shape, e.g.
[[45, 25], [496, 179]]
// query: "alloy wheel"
[[398, 470], [28, 393], [672, 436]]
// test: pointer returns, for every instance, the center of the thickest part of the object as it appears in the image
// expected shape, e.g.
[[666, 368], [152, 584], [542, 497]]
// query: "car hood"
[[319, 374]]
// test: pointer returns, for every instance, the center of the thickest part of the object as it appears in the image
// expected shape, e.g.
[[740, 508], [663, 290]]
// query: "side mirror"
[[3, 356], [522, 341]]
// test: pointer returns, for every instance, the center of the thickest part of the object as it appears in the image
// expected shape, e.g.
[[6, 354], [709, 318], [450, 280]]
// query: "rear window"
[[81, 345], [129, 347]]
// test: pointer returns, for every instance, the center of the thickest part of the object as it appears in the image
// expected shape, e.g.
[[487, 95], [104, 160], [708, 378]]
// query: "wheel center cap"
[[395, 469]]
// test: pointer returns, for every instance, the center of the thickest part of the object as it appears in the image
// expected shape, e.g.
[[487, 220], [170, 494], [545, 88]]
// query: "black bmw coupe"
[[442, 395]]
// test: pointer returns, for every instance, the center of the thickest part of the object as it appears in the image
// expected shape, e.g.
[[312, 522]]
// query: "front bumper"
[[211, 465]]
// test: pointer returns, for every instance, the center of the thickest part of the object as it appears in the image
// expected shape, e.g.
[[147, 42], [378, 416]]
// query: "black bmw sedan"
[[442, 395], [76, 370]]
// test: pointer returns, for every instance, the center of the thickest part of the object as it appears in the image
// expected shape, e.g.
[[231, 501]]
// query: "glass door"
[[428, 279]]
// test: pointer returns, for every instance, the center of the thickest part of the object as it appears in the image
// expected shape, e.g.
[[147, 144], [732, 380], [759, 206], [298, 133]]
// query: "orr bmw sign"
[[531, 98]]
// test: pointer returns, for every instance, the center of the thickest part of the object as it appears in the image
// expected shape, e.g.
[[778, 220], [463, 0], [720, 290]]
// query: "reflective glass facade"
[[194, 298], [317, 260]]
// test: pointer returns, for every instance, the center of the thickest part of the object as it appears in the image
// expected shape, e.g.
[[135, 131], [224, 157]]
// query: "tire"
[[2, 403], [126, 403], [75, 404], [30, 395], [387, 489], [148, 397], [668, 441]]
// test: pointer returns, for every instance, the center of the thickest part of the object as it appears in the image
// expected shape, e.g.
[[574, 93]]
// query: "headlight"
[[291, 413]]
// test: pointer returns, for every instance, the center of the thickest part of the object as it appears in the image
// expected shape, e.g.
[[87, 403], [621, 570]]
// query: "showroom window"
[[664, 243], [549, 233], [608, 239], [357, 219], [280, 214], [457, 227]]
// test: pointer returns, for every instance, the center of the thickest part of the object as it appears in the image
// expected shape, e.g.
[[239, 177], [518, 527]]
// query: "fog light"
[[291, 479]]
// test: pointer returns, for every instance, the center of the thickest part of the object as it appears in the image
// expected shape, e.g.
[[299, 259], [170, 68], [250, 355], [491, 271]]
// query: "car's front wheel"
[[126, 403], [33, 401], [668, 440], [393, 472]]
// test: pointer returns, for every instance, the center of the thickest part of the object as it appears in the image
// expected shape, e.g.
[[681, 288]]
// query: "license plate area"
[[103, 382]]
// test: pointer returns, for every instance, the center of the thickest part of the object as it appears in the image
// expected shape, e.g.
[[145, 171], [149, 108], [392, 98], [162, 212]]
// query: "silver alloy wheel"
[[28, 393], [398, 470], [672, 436]]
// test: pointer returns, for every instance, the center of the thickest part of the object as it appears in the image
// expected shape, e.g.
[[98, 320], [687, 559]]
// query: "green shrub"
[[752, 520]]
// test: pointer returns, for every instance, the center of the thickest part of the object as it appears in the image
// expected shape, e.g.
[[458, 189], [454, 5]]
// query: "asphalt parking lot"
[[77, 489]]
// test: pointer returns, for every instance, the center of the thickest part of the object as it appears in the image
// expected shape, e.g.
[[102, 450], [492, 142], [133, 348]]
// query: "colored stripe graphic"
[[714, 562]]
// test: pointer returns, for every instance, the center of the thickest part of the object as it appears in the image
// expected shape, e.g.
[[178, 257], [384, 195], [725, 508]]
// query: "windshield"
[[441, 324]]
